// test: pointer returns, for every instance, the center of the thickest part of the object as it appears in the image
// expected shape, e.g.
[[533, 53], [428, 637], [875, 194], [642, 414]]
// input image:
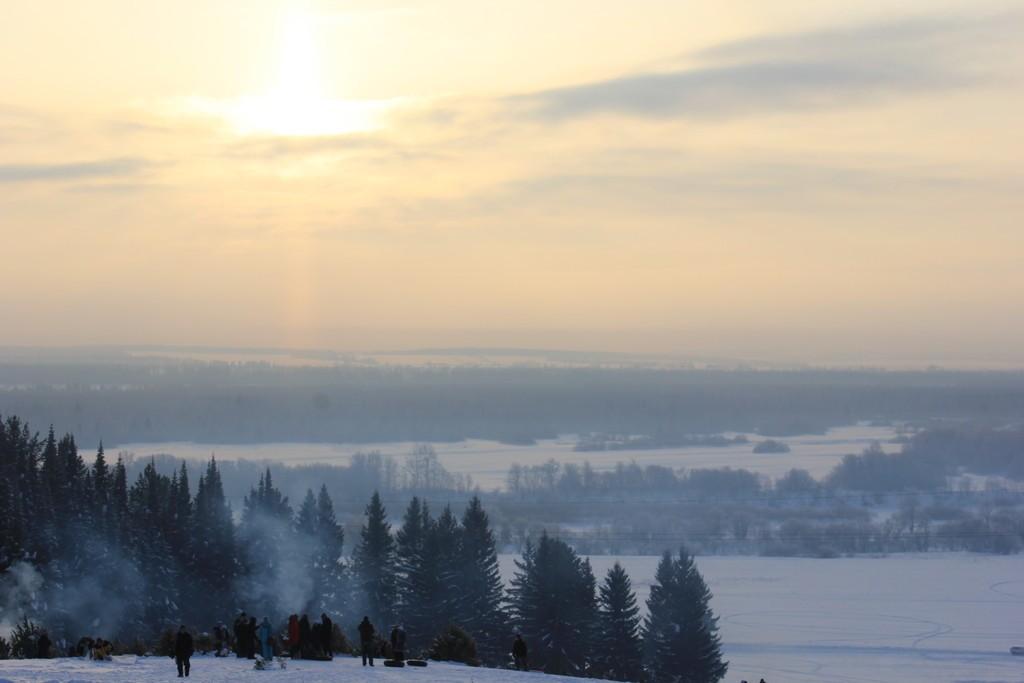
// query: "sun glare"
[[296, 103]]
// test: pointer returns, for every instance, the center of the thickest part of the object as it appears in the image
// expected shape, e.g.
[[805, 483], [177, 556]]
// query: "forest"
[[83, 552], [148, 400]]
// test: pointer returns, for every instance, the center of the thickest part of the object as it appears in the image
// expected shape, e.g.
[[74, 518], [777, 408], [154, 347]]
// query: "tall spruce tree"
[[408, 544], [267, 527], [479, 594], [555, 607], [329, 573], [619, 645], [213, 553], [148, 504], [433, 581], [375, 563], [681, 633]]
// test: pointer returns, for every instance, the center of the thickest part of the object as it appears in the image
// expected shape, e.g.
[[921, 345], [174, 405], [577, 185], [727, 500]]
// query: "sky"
[[833, 182]]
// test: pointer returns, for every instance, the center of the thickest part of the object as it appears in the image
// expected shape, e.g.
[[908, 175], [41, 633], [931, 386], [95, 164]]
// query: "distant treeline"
[[150, 401]]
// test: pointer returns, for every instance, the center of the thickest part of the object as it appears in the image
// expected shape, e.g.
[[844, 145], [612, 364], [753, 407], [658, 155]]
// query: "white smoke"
[[20, 595]]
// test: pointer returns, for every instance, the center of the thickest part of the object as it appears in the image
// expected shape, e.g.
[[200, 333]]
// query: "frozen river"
[[928, 618], [488, 461]]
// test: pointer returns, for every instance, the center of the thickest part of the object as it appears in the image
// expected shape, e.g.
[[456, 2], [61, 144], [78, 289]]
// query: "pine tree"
[[619, 645], [329, 576], [267, 527], [213, 561], [555, 607], [119, 502], [480, 592], [408, 543], [305, 520], [432, 581], [101, 489], [681, 633], [375, 563], [148, 502]]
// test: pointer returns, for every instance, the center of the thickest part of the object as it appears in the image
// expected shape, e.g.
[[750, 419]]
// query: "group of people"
[[253, 639], [368, 642], [94, 648], [310, 641]]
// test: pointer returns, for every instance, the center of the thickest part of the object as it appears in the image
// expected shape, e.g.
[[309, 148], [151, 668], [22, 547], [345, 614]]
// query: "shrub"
[[23, 639], [165, 647], [5, 648], [454, 645], [204, 643], [339, 643]]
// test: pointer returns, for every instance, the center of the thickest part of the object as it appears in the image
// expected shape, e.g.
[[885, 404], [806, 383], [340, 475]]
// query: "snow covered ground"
[[917, 618], [488, 461], [230, 670]]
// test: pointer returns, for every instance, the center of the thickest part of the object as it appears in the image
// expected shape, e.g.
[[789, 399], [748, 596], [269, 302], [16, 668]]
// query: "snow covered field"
[[921, 618], [488, 461], [229, 670]]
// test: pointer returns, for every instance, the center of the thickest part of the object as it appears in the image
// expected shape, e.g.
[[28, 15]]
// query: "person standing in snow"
[[398, 642], [326, 635], [183, 651], [239, 628], [305, 638], [519, 653], [264, 636], [366, 644], [293, 636], [251, 639], [43, 646]]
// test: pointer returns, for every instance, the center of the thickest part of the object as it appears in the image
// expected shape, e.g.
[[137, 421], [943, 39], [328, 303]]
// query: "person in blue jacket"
[[264, 636]]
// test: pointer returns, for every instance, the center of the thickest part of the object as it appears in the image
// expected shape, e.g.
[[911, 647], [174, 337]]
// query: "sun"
[[296, 104]]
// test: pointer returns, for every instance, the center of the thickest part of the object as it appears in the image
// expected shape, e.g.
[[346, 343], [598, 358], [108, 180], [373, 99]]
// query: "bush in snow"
[[24, 638], [454, 645]]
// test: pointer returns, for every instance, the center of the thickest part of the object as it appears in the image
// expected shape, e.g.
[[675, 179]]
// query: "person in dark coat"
[[305, 638], [519, 653], [398, 642], [366, 644], [239, 627], [43, 646], [326, 635], [293, 635], [251, 644], [183, 651]]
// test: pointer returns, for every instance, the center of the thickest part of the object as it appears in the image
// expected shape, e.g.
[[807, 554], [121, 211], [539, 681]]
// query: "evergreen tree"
[[432, 581], [101, 490], [555, 607], [479, 590], [148, 502], [408, 545], [329, 573], [619, 645], [375, 563], [119, 502], [213, 564], [305, 520], [681, 633], [267, 527]]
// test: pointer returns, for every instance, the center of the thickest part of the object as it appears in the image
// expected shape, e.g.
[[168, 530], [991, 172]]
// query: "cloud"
[[83, 170], [828, 67]]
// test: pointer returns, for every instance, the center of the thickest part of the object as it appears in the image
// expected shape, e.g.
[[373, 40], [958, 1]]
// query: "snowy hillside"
[[229, 670]]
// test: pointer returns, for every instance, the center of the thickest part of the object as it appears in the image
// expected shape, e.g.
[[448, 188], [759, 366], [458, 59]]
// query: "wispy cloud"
[[822, 68], [62, 172]]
